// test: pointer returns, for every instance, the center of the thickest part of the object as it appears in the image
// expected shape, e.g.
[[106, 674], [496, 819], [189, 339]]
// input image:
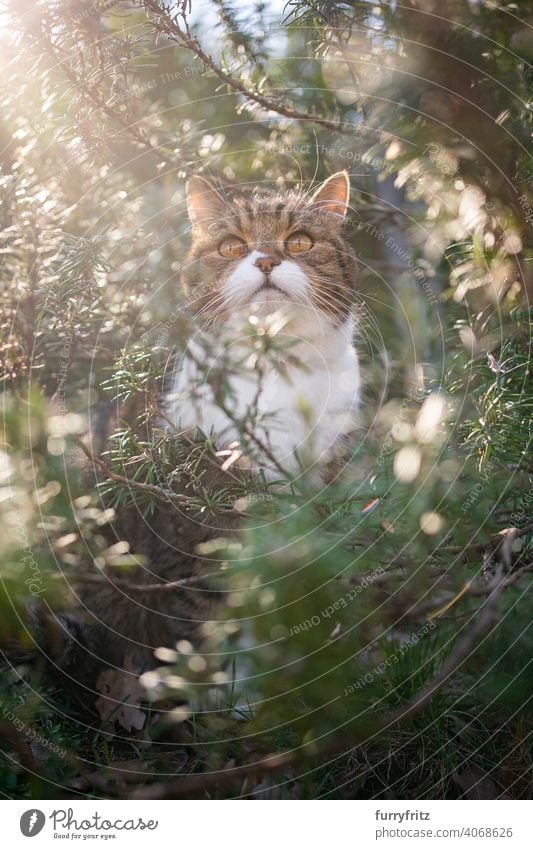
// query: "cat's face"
[[267, 250]]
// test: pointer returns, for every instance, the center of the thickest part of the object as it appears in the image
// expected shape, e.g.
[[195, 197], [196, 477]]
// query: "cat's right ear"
[[204, 203], [333, 195]]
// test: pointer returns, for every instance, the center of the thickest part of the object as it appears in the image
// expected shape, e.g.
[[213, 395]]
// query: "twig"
[[190, 441], [163, 494], [137, 134], [275, 762], [469, 589], [245, 429], [148, 588], [506, 582], [495, 541], [252, 436], [463, 649], [183, 37]]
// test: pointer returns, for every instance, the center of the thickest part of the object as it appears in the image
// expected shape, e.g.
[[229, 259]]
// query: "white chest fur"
[[297, 403]]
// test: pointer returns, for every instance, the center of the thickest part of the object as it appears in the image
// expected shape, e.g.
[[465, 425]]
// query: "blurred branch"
[[163, 494], [245, 428], [168, 25], [149, 588], [239, 38], [273, 763], [92, 94], [509, 581]]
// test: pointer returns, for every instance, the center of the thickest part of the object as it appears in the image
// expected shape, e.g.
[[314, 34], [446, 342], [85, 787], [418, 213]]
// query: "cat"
[[268, 263], [272, 264]]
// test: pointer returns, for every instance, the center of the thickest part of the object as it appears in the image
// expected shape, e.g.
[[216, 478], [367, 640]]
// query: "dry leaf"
[[475, 783], [121, 696]]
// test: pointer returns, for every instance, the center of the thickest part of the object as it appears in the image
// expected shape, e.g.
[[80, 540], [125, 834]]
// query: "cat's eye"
[[232, 248], [299, 243]]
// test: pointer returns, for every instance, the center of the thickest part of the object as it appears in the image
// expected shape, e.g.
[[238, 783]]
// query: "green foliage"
[[344, 601]]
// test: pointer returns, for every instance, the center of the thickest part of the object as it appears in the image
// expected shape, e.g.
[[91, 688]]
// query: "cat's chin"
[[276, 305], [267, 301]]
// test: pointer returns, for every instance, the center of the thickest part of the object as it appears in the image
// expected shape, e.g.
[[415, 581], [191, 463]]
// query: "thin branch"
[[509, 581], [433, 609], [148, 588], [170, 27], [136, 133], [163, 494], [190, 441], [194, 784], [243, 427]]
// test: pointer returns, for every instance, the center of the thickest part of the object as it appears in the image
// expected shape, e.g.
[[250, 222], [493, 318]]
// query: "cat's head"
[[269, 249]]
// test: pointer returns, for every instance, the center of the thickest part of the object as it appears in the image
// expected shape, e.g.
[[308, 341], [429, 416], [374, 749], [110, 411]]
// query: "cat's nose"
[[266, 263]]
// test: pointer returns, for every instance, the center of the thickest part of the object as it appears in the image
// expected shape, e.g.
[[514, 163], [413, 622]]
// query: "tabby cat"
[[267, 263]]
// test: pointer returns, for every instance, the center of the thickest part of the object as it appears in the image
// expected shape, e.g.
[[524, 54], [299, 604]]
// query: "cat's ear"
[[334, 194], [204, 203]]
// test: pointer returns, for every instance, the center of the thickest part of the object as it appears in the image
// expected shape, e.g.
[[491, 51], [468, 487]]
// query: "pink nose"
[[266, 263]]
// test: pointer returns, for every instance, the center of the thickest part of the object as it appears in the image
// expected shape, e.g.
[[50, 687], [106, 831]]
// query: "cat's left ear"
[[334, 194]]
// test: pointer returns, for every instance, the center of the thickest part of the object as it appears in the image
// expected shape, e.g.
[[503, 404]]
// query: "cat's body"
[[298, 412], [269, 264]]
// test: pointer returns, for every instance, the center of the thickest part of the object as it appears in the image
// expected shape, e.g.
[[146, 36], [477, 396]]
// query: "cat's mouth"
[[267, 296], [268, 284], [267, 292], [268, 289]]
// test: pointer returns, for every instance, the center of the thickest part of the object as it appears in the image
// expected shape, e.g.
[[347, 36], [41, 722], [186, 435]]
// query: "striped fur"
[[264, 220]]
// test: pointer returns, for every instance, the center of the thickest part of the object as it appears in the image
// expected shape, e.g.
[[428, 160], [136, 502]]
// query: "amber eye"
[[232, 248], [298, 243]]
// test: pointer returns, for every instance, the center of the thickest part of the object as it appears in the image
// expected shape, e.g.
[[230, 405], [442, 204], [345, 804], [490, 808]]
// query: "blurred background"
[[107, 108]]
